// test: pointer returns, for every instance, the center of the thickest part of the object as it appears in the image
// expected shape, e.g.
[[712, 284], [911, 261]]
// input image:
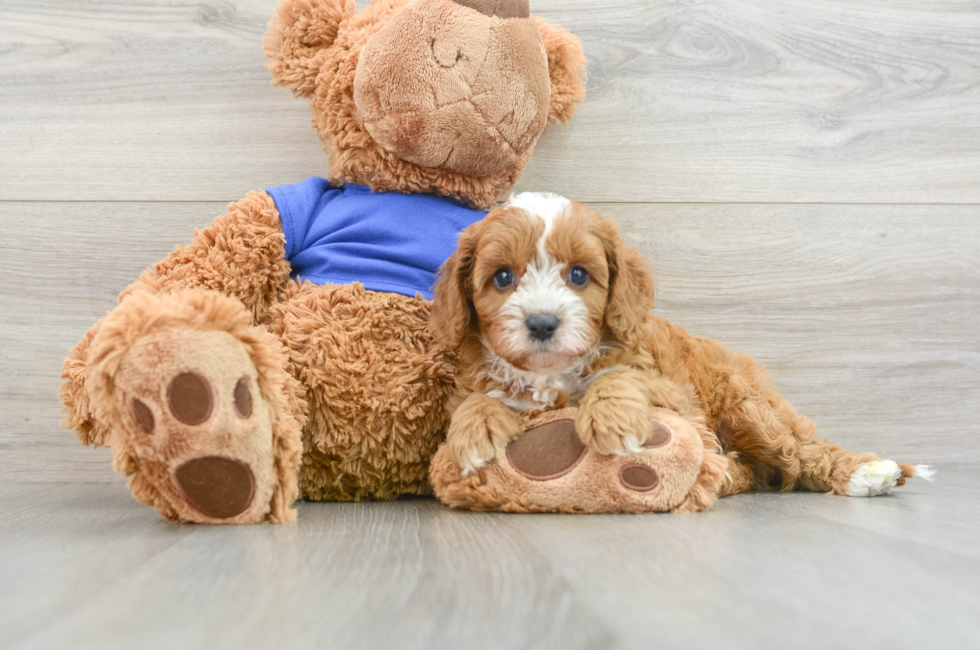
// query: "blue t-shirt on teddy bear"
[[385, 240]]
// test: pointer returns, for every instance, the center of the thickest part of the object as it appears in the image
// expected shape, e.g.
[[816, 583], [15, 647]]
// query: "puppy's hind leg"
[[739, 477], [773, 432]]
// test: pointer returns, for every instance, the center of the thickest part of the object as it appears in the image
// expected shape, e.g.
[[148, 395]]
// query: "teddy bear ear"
[[298, 38], [566, 66]]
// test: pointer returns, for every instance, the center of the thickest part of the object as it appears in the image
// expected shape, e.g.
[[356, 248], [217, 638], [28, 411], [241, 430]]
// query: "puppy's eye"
[[578, 276], [503, 278]]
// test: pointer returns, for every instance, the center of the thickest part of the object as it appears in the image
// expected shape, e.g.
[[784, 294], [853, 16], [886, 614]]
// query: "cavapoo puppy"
[[548, 308]]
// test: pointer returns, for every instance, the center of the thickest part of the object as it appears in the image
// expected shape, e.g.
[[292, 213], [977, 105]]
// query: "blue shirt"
[[385, 240]]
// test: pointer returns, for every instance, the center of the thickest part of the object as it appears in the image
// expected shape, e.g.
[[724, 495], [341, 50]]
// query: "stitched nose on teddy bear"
[[499, 8], [461, 85]]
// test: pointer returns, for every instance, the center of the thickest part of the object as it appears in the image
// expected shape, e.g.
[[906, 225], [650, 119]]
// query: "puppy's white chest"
[[541, 396], [522, 390]]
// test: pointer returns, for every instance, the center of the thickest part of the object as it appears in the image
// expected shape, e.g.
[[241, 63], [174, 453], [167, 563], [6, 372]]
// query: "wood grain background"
[[804, 175], [86, 568]]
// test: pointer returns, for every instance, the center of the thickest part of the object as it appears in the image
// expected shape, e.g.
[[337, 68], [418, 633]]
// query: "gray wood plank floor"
[[84, 567]]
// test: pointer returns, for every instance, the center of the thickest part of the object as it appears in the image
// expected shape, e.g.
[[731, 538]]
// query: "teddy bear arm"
[[242, 254], [76, 407]]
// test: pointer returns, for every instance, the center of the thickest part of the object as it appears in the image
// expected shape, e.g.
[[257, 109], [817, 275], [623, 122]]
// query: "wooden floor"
[[85, 567], [804, 176]]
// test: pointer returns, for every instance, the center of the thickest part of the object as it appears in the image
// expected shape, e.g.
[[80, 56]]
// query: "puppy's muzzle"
[[542, 326]]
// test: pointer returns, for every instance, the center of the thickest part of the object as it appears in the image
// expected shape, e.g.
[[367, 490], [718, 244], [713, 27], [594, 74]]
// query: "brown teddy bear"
[[285, 353]]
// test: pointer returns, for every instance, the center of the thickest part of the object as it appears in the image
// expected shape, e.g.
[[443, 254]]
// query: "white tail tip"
[[928, 472]]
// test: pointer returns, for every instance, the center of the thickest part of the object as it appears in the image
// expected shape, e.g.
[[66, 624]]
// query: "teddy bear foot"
[[548, 469], [190, 421], [199, 426]]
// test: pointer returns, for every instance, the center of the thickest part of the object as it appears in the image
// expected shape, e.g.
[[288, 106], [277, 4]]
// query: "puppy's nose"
[[542, 326]]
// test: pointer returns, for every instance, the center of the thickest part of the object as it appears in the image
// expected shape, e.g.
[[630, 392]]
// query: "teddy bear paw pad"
[[197, 423], [546, 451], [639, 478], [216, 486]]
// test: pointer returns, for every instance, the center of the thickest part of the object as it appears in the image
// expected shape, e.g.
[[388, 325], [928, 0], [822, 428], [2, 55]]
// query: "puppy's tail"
[[928, 472]]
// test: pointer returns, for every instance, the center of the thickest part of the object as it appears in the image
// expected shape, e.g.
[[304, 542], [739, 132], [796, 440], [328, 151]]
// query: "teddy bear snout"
[[447, 53], [459, 85], [499, 8]]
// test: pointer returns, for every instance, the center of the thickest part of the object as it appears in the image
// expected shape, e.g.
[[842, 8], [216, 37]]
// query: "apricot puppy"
[[548, 308]]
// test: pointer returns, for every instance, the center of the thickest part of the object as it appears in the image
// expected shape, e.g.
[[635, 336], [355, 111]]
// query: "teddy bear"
[[284, 353]]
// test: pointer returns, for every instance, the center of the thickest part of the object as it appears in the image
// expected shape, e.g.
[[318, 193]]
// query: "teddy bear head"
[[445, 97]]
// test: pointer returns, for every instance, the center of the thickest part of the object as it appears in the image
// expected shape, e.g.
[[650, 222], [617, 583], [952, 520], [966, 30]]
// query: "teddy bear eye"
[[503, 278], [578, 276]]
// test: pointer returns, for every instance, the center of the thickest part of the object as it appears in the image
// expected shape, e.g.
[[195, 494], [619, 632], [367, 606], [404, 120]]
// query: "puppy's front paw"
[[614, 423], [471, 447], [473, 437]]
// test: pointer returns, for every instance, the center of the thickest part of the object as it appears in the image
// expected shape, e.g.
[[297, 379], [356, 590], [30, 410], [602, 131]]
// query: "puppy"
[[547, 307]]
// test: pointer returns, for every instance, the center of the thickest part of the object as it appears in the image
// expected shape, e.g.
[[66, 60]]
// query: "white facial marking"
[[543, 205], [542, 288]]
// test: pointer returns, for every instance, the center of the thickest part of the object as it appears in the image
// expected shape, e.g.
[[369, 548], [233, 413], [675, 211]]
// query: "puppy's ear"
[[298, 39], [451, 313], [566, 67], [631, 288]]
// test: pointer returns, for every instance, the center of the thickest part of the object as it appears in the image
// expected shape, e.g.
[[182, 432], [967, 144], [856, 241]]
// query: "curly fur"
[[644, 362], [377, 387]]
